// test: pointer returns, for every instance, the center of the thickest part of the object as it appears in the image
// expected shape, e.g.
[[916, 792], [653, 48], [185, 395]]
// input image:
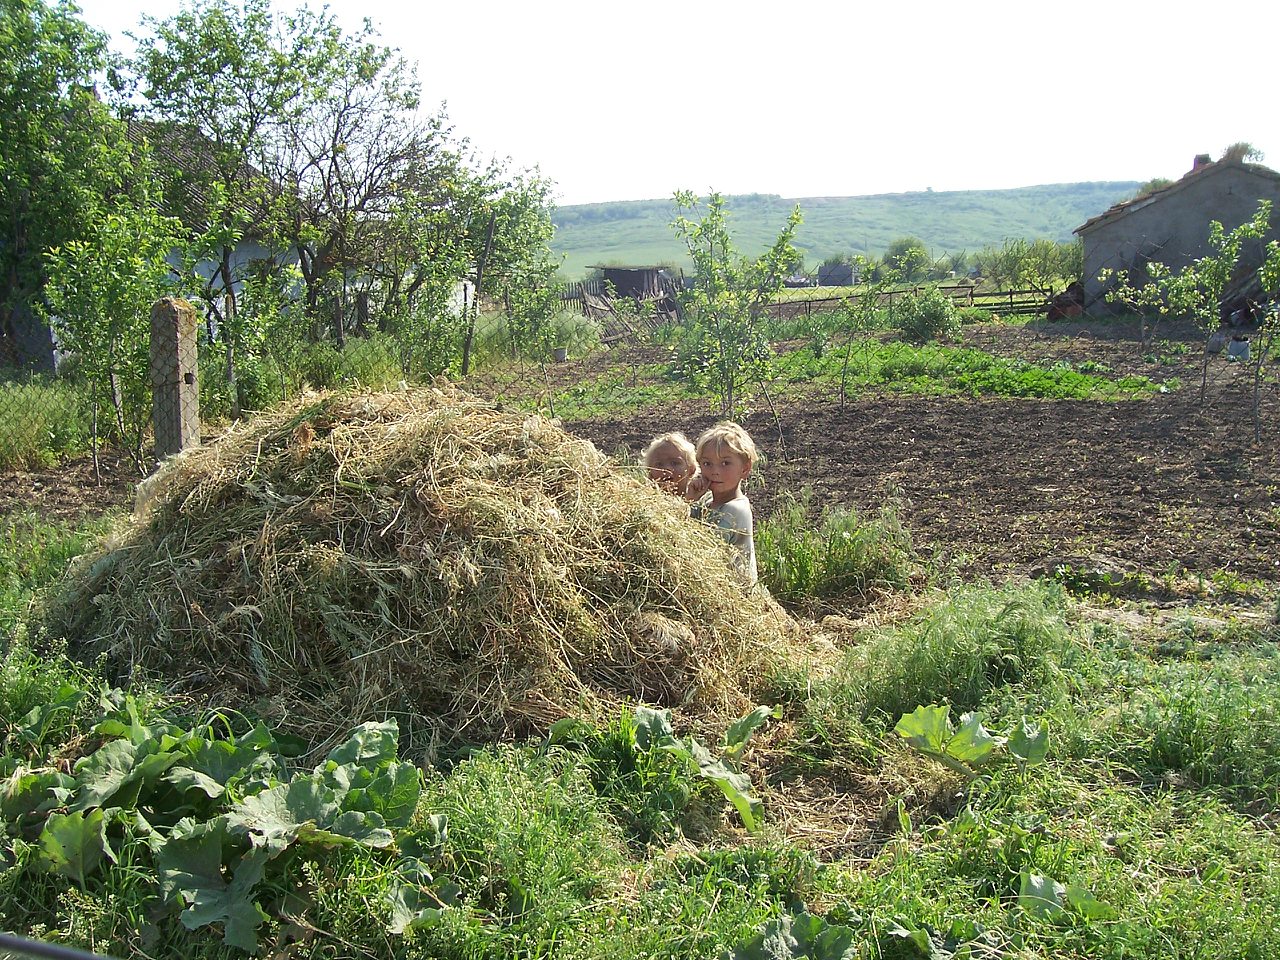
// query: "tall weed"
[[844, 555], [978, 640]]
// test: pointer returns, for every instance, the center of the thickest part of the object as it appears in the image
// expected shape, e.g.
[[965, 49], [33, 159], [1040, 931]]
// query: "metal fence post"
[[175, 386]]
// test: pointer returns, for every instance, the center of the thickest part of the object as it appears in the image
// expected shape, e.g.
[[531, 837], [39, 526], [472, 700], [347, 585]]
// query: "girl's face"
[[724, 470], [668, 466]]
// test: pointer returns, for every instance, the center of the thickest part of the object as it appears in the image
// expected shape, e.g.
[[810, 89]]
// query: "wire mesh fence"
[[617, 356]]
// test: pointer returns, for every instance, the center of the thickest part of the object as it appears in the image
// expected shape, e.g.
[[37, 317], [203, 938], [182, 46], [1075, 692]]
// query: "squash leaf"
[[73, 844]]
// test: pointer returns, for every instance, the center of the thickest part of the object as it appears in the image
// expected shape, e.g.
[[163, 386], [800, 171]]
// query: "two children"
[[717, 466]]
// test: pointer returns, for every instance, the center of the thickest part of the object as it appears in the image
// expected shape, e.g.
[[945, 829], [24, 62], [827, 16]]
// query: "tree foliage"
[[323, 156], [99, 295], [726, 304], [61, 153]]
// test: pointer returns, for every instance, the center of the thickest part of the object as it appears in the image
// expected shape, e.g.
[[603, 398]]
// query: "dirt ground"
[[997, 486], [1004, 486]]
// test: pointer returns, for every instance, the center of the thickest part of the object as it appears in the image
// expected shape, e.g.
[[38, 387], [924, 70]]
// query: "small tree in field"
[[99, 298], [1268, 329], [1194, 292], [860, 315], [730, 295]]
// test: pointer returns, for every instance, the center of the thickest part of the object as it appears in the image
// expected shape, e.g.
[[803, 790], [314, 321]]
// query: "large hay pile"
[[355, 555]]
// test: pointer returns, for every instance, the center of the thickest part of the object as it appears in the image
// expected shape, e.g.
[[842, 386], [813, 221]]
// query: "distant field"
[[639, 231]]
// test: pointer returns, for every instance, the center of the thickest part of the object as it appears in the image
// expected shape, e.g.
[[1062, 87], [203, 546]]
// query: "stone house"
[[1171, 224]]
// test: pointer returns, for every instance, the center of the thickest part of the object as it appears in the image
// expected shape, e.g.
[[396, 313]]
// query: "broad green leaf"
[[1040, 896], [927, 728], [653, 727], [369, 745], [411, 909], [428, 843], [1030, 744], [972, 743], [231, 904], [803, 935], [735, 786], [33, 727], [117, 772], [366, 829], [103, 772], [185, 779], [1084, 903], [740, 731], [33, 791], [916, 936], [273, 818], [223, 761], [191, 859], [393, 793], [73, 844]]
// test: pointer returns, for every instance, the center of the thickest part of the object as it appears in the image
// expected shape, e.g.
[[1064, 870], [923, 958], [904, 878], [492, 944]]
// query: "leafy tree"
[[729, 296], [861, 313], [1243, 152], [1196, 291], [908, 257], [384, 210], [1151, 186], [61, 153], [223, 79], [99, 295]]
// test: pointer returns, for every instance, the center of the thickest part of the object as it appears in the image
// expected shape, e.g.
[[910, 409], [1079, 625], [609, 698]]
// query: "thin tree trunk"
[[469, 339]]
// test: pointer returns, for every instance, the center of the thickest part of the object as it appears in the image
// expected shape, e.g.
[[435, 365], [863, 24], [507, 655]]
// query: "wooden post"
[[175, 387]]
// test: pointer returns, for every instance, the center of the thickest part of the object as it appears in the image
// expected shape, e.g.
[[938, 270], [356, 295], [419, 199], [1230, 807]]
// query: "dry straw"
[[420, 553]]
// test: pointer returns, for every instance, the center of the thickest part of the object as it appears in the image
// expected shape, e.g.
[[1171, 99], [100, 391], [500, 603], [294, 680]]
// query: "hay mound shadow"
[[419, 553]]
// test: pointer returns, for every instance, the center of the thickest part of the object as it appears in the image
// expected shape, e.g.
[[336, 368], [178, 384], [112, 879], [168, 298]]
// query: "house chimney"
[[1201, 161]]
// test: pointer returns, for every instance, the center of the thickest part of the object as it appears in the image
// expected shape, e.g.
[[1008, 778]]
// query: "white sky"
[[622, 101]]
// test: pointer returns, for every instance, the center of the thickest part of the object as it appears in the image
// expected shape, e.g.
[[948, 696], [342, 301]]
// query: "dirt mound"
[[418, 553]]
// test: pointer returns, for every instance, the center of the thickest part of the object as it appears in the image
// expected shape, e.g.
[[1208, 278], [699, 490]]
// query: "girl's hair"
[[726, 433], [675, 439]]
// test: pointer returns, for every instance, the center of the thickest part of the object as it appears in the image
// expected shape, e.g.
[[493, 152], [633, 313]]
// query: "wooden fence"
[[1012, 302]]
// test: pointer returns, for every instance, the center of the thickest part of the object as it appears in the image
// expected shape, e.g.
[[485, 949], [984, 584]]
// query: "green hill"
[[639, 231]]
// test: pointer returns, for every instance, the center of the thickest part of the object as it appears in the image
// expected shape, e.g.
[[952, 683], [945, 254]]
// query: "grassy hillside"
[[639, 231]]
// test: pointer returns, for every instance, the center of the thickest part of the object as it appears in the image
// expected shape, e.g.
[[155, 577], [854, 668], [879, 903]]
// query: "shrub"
[[928, 315]]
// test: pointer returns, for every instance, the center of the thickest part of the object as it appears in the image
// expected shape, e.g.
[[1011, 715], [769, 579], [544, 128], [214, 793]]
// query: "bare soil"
[[1003, 486]]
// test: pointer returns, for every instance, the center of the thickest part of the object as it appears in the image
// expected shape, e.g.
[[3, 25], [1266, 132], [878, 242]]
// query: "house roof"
[[188, 163], [1126, 207]]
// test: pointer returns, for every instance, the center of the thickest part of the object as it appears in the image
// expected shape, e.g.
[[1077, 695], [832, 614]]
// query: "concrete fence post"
[[175, 384]]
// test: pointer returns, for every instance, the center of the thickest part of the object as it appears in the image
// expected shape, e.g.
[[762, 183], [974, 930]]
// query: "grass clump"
[[33, 553], [419, 553], [843, 555], [41, 421], [978, 640]]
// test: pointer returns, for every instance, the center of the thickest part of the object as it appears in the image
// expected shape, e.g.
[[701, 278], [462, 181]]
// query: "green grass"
[[837, 555], [41, 421], [34, 552]]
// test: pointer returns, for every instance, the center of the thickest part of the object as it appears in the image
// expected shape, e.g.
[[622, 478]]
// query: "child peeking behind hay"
[[726, 453], [672, 461]]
